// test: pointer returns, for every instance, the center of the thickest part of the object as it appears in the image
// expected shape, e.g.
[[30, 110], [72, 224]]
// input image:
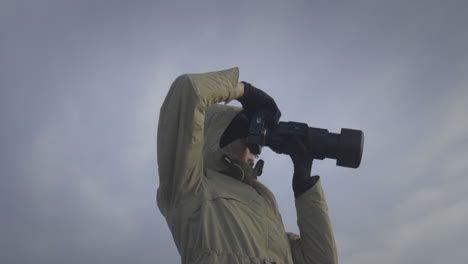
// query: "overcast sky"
[[81, 84]]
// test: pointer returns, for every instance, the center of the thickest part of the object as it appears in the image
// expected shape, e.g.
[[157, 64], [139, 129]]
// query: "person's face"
[[239, 148]]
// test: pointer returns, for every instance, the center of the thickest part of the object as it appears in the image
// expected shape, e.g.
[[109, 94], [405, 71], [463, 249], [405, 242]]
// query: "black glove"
[[255, 100], [302, 160]]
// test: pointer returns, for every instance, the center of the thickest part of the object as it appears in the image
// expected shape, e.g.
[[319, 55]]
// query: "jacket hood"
[[217, 119]]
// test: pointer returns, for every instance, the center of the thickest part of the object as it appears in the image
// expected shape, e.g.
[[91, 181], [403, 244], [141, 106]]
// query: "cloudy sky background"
[[81, 84]]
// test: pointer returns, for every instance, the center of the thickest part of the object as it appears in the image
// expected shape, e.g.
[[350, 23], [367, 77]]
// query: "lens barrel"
[[346, 147]]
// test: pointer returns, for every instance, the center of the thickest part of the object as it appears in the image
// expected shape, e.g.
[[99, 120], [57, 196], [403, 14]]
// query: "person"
[[216, 209]]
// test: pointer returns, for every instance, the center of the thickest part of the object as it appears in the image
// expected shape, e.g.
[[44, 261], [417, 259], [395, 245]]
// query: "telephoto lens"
[[346, 147]]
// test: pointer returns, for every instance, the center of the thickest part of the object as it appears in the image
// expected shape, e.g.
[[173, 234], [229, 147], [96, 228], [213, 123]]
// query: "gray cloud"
[[82, 83]]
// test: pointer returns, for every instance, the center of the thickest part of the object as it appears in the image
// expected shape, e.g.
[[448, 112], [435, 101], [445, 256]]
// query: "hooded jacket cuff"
[[215, 87], [314, 197]]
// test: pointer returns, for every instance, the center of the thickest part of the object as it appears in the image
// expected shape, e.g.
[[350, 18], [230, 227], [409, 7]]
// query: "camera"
[[346, 147]]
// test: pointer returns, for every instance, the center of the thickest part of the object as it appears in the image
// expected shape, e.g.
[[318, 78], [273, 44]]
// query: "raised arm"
[[316, 243], [180, 130]]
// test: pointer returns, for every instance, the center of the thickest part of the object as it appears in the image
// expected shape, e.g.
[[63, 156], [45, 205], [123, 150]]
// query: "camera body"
[[346, 147]]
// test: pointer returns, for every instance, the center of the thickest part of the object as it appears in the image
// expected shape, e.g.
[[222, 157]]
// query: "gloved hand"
[[302, 160], [255, 100]]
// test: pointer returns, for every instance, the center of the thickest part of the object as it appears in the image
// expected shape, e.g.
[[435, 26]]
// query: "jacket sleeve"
[[316, 243], [180, 131]]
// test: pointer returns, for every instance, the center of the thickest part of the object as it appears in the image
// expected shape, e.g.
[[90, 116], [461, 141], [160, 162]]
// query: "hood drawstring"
[[240, 168], [243, 175], [258, 170]]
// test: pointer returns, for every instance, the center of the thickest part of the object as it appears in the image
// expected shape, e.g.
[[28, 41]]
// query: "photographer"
[[214, 206]]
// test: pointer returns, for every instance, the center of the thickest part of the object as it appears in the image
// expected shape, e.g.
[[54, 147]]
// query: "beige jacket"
[[214, 216]]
